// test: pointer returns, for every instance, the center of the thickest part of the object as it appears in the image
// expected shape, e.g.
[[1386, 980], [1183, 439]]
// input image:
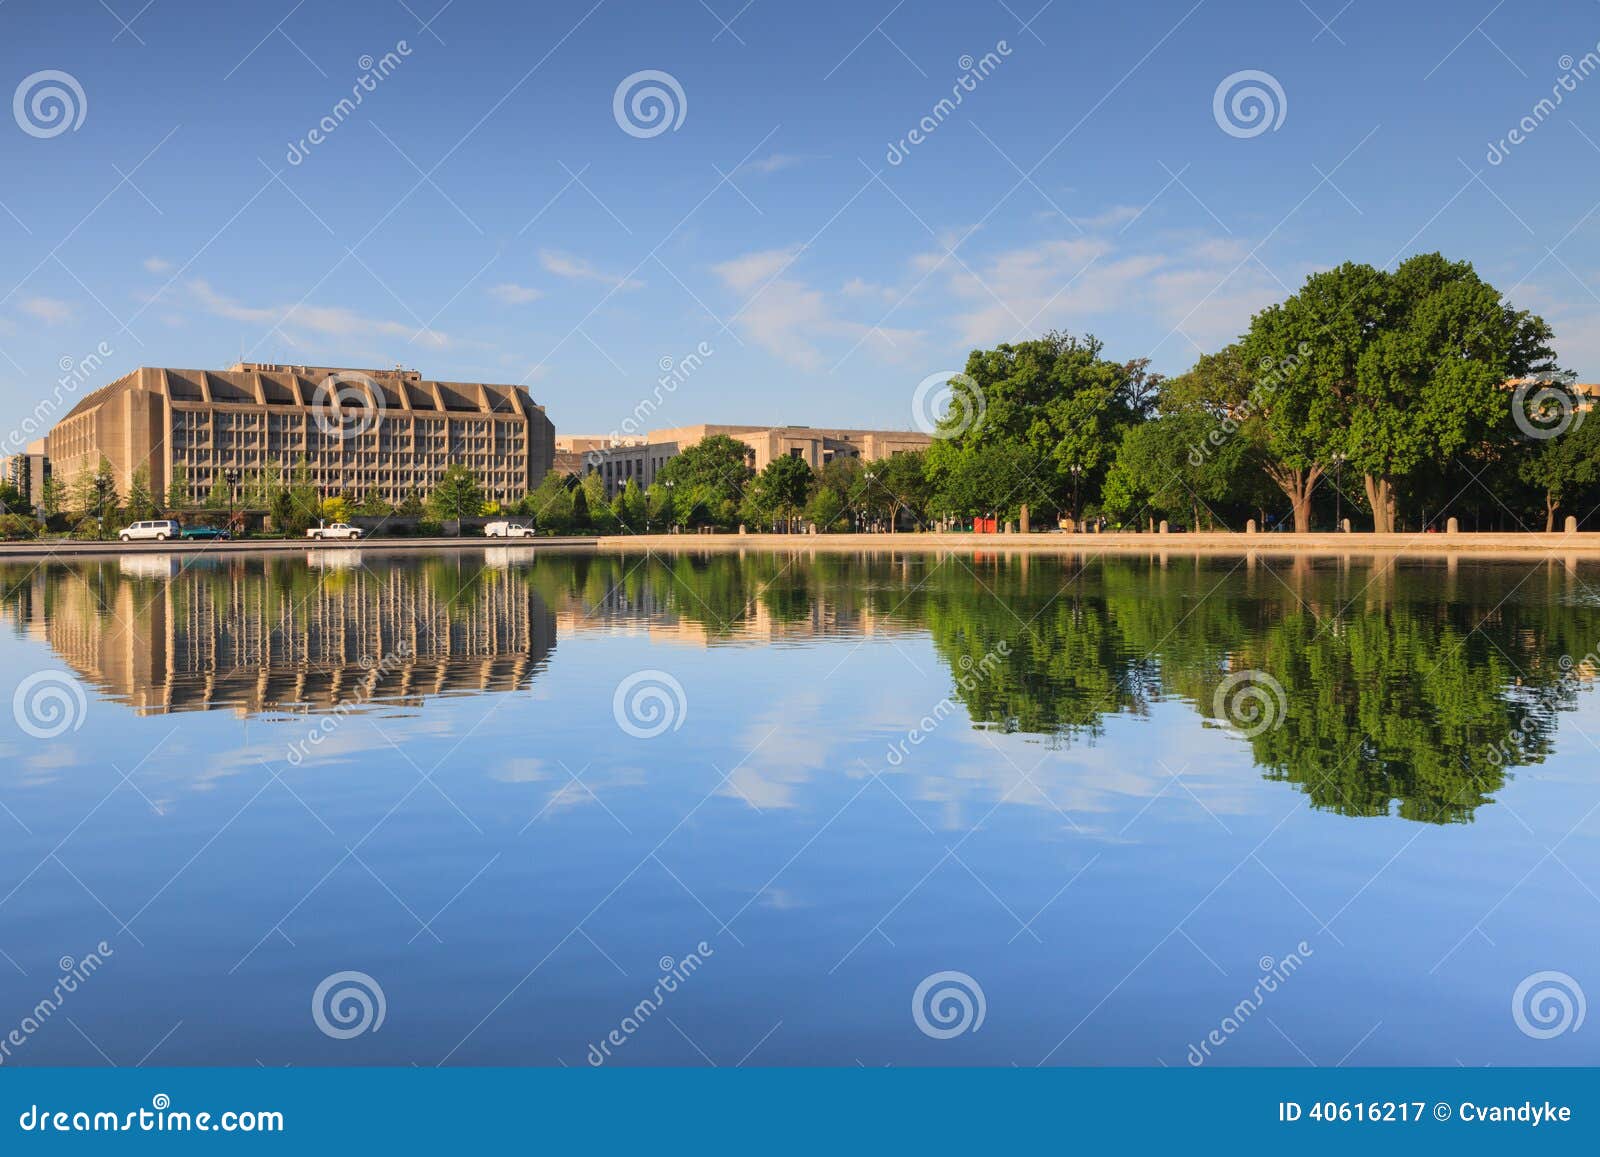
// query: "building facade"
[[27, 472], [389, 431], [618, 462]]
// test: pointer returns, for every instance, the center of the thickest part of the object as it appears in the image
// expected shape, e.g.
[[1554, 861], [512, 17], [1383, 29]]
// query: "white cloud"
[[326, 321], [578, 269], [157, 265], [787, 317], [511, 293], [774, 163], [1108, 218], [1204, 291], [50, 310]]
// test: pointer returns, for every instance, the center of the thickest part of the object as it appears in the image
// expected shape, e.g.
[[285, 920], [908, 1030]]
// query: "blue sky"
[[482, 215]]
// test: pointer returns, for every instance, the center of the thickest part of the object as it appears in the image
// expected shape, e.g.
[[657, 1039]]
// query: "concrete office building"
[[357, 430], [27, 471], [618, 461]]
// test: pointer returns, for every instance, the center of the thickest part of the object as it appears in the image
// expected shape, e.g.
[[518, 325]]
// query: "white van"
[[160, 530], [507, 530]]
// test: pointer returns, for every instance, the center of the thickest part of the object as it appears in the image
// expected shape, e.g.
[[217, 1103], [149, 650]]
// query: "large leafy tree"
[[901, 482], [457, 494], [1157, 470], [1054, 406], [1393, 372], [1253, 424], [716, 468], [779, 492], [1564, 464]]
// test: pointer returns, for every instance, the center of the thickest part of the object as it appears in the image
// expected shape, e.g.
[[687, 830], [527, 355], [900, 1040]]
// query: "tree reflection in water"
[[1407, 688]]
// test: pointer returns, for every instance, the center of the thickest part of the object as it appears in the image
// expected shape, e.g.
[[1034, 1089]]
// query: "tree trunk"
[[1297, 486], [1550, 507], [1380, 494]]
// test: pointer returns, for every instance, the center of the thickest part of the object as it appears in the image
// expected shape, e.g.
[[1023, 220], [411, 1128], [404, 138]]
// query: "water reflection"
[[1407, 689], [163, 633]]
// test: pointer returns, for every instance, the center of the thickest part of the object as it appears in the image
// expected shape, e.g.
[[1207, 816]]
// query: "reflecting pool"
[[535, 807]]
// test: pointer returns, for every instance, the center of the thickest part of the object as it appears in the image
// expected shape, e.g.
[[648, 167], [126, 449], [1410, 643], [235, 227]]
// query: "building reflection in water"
[[170, 632]]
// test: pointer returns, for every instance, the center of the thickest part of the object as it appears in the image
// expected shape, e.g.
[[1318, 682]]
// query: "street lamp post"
[[1076, 470], [871, 478], [101, 485], [231, 477]]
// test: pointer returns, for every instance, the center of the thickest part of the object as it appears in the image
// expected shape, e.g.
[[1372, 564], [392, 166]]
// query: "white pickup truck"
[[508, 530], [334, 530]]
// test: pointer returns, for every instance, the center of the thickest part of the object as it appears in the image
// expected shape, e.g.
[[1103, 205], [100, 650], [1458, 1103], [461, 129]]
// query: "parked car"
[[334, 530], [200, 533], [159, 529], [508, 530]]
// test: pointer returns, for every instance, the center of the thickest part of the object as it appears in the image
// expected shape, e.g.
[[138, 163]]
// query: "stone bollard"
[[1011, 527], [742, 529], [1451, 526], [1344, 526], [1571, 526], [1250, 527], [1162, 529], [1022, 516]]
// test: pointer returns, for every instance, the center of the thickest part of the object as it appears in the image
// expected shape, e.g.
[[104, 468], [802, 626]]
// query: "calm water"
[[515, 790]]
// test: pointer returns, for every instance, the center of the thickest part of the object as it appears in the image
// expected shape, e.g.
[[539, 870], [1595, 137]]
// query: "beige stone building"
[[386, 430], [619, 461]]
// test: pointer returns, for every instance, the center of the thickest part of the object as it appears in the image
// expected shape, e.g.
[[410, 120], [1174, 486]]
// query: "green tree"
[[178, 487], [628, 507], [372, 504], [825, 508], [779, 492], [456, 495], [597, 504], [902, 480], [141, 503], [53, 498], [710, 477], [550, 504], [1564, 464], [1054, 406], [1393, 372], [218, 497]]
